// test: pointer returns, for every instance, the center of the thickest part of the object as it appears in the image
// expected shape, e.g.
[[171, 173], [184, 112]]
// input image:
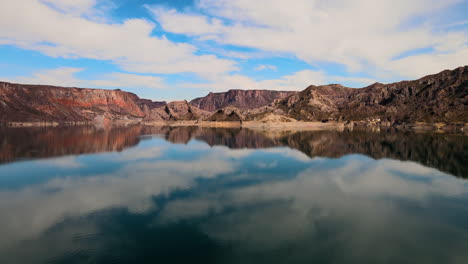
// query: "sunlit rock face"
[[32, 103], [441, 97], [176, 111], [242, 99]]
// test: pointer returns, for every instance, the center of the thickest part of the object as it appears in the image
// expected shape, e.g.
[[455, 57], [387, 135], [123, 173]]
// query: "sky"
[[183, 49]]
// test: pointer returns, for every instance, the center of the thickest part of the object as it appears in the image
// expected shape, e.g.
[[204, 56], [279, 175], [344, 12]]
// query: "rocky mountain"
[[242, 99], [441, 97]]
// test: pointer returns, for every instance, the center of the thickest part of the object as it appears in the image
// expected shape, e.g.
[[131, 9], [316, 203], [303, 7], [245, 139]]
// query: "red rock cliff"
[[32, 103]]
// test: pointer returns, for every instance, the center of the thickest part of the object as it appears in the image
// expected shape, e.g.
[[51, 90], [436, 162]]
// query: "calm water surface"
[[191, 195]]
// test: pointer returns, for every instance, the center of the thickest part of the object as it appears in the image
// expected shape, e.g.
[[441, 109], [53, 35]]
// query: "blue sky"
[[182, 49]]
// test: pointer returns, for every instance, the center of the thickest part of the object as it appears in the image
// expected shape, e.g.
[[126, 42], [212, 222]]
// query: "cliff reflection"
[[442, 151]]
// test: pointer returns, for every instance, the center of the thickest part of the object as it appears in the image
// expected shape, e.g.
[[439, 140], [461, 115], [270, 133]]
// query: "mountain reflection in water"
[[444, 152], [185, 194]]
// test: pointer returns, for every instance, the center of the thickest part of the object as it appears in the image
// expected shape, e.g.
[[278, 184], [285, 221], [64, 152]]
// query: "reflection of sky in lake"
[[174, 202]]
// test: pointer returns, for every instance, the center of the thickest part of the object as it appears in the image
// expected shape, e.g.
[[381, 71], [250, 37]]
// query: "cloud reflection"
[[280, 201]]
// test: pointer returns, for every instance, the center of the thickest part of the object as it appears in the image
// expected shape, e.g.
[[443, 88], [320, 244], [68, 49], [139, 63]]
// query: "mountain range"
[[441, 97]]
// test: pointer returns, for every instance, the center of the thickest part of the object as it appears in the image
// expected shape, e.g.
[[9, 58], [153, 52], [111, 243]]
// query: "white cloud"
[[71, 6], [420, 65], [187, 23], [130, 80], [455, 24], [294, 82], [263, 67], [365, 35], [65, 76], [129, 45]]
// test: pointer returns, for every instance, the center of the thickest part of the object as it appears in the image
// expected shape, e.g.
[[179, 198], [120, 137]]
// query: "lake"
[[140, 194]]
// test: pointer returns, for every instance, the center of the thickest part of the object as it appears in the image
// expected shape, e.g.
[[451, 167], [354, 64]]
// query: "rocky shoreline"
[[277, 126]]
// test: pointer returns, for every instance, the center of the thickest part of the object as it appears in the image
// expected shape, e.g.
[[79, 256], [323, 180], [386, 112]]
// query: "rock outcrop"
[[435, 98], [242, 99], [226, 114], [39, 103], [33, 103], [176, 111]]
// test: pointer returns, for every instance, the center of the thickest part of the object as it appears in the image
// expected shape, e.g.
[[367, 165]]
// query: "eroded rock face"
[[227, 114], [440, 97], [316, 102], [32, 103], [176, 111], [151, 104], [242, 99], [182, 110]]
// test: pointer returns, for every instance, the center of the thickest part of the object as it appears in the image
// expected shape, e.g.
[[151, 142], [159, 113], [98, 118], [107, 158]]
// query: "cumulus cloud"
[[294, 82], [65, 76], [362, 35], [71, 6], [187, 23], [63, 33], [129, 80], [377, 40]]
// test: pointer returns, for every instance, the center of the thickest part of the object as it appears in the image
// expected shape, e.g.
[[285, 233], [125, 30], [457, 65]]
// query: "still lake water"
[[190, 195]]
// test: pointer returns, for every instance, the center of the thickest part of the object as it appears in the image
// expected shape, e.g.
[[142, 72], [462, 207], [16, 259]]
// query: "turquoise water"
[[179, 195]]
